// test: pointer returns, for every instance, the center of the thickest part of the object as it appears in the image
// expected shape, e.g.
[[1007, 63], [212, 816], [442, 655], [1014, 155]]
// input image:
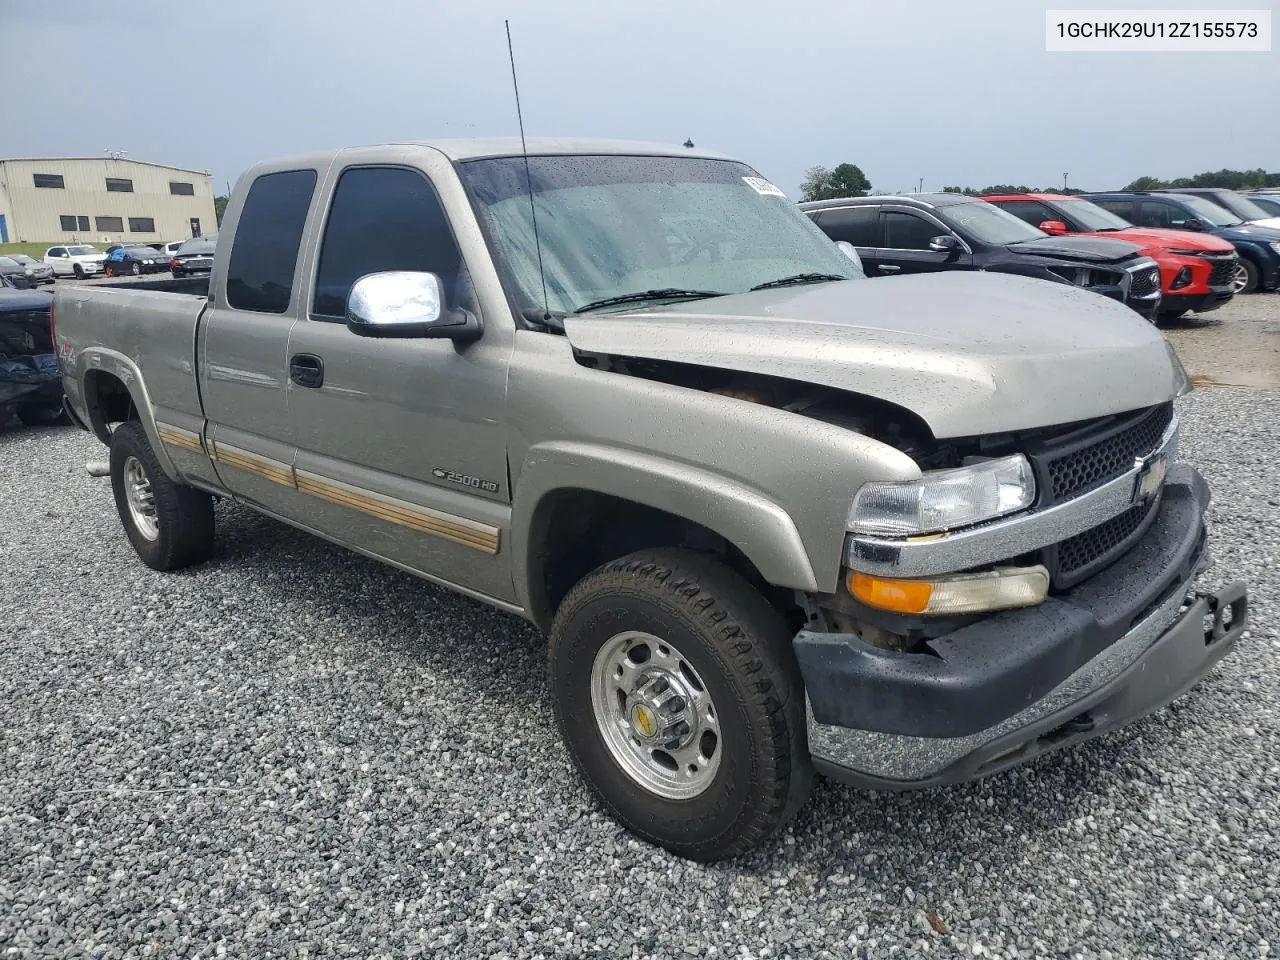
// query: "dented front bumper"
[[1016, 684]]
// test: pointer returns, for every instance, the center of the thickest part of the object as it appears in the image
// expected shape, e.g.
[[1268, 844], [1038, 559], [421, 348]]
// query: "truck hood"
[[1086, 249], [970, 353]]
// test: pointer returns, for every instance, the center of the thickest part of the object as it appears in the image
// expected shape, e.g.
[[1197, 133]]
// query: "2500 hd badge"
[[488, 486]]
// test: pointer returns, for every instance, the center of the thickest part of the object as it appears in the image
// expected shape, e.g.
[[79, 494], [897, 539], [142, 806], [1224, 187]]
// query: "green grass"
[[33, 250]]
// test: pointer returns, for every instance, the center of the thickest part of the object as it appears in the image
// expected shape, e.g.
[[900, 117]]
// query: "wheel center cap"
[[643, 721]]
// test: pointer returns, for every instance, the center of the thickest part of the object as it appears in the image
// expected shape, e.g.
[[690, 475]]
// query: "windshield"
[[1242, 207], [612, 226], [987, 223], [7, 262], [1209, 210], [1090, 215], [82, 251]]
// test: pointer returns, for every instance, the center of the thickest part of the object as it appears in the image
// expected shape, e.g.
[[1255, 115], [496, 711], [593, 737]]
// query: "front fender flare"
[[756, 525]]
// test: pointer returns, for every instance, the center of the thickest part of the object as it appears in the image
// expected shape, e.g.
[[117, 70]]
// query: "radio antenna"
[[524, 150]]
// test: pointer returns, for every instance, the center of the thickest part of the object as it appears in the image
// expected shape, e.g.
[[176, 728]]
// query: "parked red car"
[[1195, 269]]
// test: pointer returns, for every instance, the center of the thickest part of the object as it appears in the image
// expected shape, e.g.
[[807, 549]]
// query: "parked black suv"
[[927, 232]]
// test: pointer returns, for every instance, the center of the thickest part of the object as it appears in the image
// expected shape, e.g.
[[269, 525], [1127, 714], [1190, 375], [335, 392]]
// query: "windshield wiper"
[[798, 278], [666, 293]]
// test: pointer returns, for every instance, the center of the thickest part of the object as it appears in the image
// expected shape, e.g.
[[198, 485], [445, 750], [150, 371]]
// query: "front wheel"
[[136, 269], [169, 525], [78, 271], [1246, 276], [680, 702]]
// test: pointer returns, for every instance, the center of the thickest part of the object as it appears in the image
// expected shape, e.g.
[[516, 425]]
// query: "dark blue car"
[[1258, 247], [30, 385]]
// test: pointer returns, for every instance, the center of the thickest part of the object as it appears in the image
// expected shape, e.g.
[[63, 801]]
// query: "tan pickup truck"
[[774, 517]]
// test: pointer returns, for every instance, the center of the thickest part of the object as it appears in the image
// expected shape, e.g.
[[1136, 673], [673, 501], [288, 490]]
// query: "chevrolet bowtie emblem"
[[1151, 474]]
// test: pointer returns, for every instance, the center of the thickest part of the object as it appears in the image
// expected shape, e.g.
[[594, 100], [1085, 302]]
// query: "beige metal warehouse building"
[[102, 200]]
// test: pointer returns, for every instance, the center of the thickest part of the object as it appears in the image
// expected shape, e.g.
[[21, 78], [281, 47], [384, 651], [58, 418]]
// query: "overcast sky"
[[954, 92]]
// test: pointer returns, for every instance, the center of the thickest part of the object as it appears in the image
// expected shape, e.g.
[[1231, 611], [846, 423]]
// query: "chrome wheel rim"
[[655, 715], [141, 499], [1239, 278]]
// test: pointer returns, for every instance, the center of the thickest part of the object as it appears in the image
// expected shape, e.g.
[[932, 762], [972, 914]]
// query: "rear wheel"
[[169, 525], [680, 702], [1246, 276]]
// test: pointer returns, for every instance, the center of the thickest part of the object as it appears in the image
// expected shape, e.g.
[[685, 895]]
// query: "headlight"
[[27, 271], [1274, 245], [944, 499]]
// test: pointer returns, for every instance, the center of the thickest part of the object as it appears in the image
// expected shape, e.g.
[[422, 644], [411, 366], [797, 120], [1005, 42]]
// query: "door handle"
[[306, 370], [889, 268]]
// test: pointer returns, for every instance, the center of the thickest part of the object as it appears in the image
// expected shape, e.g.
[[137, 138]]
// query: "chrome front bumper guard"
[[936, 553]]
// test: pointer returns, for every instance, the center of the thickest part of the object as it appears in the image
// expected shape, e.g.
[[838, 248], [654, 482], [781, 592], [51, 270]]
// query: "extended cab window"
[[264, 251], [859, 226], [905, 231], [382, 218]]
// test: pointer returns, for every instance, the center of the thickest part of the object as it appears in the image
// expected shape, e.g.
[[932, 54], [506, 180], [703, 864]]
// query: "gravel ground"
[[295, 752], [1236, 345]]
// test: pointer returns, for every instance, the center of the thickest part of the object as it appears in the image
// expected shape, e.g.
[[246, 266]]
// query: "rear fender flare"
[[118, 365]]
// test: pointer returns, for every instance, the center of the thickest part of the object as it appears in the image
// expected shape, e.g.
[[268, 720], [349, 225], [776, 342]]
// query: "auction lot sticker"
[[1158, 31]]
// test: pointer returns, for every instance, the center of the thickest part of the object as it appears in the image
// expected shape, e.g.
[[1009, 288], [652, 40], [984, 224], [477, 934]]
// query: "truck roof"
[[474, 149]]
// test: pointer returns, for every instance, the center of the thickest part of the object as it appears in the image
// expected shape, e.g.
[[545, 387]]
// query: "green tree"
[[219, 208], [846, 180]]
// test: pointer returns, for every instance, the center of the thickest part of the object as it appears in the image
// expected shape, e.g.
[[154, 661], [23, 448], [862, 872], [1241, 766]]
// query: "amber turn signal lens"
[[901, 596]]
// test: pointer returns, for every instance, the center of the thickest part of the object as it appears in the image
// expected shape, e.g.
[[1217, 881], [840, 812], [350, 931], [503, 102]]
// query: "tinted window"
[[1156, 213], [83, 222], [182, 189], [142, 225], [53, 180], [1028, 211], [57, 252], [68, 223], [859, 226], [265, 251], [108, 224], [905, 231], [382, 218], [116, 185], [1121, 208]]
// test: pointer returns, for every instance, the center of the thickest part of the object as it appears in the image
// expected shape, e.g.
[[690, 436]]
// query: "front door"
[[244, 340], [906, 245], [400, 442]]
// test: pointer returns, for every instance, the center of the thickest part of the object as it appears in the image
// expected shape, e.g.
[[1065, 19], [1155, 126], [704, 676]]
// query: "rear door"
[[243, 365], [401, 444], [1122, 207]]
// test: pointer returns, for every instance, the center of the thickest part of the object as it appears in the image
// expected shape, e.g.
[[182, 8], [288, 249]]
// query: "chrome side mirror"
[[404, 303], [850, 251], [943, 244]]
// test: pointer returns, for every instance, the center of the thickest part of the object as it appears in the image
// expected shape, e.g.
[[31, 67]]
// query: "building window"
[[84, 222], [182, 189], [116, 185], [109, 224], [68, 223], [142, 225], [51, 180]]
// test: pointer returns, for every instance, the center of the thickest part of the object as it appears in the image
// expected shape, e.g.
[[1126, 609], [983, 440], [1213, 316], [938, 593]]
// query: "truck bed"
[[143, 332]]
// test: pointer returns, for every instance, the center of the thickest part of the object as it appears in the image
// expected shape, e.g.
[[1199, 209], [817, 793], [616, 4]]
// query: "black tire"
[[1252, 276], [184, 516], [42, 414], [740, 648], [78, 271]]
